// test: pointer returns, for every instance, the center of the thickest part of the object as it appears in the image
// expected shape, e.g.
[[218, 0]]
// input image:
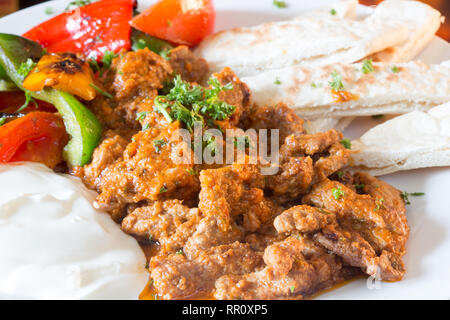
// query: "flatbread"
[[341, 9], [312, 38], [325, 124], [413, 140], [422, 20], [305, 88]]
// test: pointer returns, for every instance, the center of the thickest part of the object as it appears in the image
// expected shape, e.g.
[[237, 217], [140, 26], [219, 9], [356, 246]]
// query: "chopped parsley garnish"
[[292, 289], [395, 69], [192, 103], [243, 141], [367, 66], [405, 196], [346, 143], [379, 204], [359, 186], [340, 174], [108, 57], [49, 10], [101, 91], [313, 84], [163, 189], [336, 82], [145, 127], [77, 3], [337, 193], [333, 12], [26, 67], [280, 4], [141, 115], [158, 144], [277, 81], [192, 171], [210, 143], [378, 116], [165, 54], [179, 252], [169, 23], [94, 65], [28, 100]]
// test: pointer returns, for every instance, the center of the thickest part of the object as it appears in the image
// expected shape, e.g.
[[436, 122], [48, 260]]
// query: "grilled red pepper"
[[91, 30], [37, 137]]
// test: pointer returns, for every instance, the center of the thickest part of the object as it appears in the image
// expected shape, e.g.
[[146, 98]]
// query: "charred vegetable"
[[92, 29], [15, 55], [62, 71]]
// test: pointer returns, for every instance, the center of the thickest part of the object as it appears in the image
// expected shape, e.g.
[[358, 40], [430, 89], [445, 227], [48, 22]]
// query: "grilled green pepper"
[[5, 83], [141, 40], [81, 124]]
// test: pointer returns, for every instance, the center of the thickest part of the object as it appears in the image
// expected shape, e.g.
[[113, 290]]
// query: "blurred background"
[[9, 6]]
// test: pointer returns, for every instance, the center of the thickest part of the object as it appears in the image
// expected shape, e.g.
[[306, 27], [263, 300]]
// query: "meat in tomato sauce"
[[228, 231]]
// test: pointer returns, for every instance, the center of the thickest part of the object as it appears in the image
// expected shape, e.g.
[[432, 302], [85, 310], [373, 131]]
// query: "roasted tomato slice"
[[178, 21], [92, 29], [37, 137]]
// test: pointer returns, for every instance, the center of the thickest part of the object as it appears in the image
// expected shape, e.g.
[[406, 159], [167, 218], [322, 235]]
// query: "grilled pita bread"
[[312, 38], [340, 9], [325, 124], [306, 88], [422, 20], [413, 140]]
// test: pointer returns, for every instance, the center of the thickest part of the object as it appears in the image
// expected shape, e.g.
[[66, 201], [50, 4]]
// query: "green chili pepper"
[[81, 124]]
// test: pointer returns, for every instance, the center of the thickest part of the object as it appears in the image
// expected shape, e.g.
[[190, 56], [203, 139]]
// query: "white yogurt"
[[55, 245]]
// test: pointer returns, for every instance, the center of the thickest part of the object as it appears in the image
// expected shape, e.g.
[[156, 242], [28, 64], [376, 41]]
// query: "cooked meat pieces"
[[190, 67], [238, 96], [294, 178], [387, 197], [304, 219], [177, 277], [357, 252], [370, 234], [384, 228], [139, 73], [306, 159], [229, 230], [234, 191], [170, 223], [139, 76], [109, 150], [280, 117], [288, 274], [151, 169]]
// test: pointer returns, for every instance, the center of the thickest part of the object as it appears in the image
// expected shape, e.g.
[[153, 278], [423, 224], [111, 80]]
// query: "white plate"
[[428, 256]]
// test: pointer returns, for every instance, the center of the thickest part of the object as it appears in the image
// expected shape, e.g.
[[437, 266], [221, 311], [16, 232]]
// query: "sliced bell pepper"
[[62, 71], [81, 124], [140, 40], [92, 29], [36, 137], [178, 21], [5, 83]]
